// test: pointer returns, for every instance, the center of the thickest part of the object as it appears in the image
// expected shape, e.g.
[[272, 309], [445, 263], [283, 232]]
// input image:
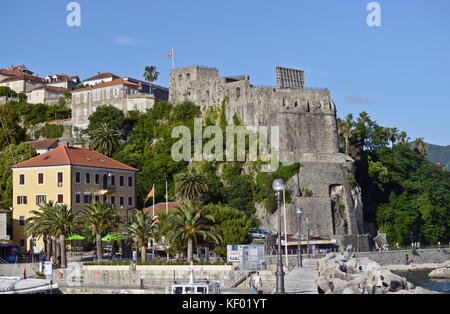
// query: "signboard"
[[48, 268]]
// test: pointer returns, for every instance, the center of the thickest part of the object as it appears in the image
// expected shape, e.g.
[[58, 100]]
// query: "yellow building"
[[72, 176]]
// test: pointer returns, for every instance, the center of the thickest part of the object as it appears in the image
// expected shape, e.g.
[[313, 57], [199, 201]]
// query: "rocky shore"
[[345, 274], [443, 272]]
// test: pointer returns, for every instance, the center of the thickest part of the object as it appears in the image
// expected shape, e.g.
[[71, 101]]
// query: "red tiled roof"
[[67, 155], [102, 76], [51, 88], [8, 72], [22, 77], [106, 84], [37, 145]]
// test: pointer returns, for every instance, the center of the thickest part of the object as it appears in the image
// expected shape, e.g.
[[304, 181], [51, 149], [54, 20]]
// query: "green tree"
[[191, 185], [143, 227], [105, 140], [231, 224], [99, 217], [187, 225], [10, 130], [110, 115]]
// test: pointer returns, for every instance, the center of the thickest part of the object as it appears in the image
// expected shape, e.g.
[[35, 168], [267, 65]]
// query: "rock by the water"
[[345, 274], [441, 273]]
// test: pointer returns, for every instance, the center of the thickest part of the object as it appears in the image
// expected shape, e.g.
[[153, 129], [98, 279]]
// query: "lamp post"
[[278, 185], [299, 249], [307, 245]]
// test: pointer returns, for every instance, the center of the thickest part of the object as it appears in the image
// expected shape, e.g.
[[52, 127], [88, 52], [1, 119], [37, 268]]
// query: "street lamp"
[[299, 249], [278, 185]]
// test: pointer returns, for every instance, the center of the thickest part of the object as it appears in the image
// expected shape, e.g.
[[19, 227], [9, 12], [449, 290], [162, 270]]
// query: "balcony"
[[108, 189]]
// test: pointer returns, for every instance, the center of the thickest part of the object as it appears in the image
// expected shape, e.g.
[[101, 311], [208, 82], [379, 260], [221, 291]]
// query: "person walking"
[[257, 283]]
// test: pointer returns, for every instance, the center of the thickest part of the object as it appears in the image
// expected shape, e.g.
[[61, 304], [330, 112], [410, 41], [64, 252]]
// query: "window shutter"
[[25, 200], [37, 199], [18, 200]]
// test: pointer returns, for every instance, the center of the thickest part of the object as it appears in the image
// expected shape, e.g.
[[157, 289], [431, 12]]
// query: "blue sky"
[[399, 73]]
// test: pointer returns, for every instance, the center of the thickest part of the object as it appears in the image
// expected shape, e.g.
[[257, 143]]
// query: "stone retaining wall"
[[399, 257]]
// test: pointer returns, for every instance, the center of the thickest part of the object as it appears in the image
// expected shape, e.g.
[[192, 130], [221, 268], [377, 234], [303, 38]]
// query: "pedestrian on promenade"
[[257, 283], [439, 245]]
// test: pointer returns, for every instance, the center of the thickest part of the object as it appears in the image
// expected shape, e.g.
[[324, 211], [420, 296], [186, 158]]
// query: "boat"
[[201, 286], [18, 285]]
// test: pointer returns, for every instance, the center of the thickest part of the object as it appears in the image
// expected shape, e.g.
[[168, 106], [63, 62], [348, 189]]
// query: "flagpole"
[[285, 230]]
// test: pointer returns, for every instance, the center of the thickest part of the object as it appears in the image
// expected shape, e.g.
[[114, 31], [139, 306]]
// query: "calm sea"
[[420, 278]]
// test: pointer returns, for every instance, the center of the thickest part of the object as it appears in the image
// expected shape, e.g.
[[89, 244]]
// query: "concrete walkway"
[[301, 280]]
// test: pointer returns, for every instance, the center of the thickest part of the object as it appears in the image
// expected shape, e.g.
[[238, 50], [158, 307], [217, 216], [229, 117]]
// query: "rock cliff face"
[[308, 134]]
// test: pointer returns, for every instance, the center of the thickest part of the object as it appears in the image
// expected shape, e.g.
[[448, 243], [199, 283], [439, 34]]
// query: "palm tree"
[[98, 217], [393, 135], [61, 220], [403, 138], [150, 75], [187, 224], [190, 185], [419, 146], [105, 140], [38, 225], [143, 227], [345, 129]]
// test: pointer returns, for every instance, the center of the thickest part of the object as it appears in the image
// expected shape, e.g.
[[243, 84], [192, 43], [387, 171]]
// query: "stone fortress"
[[306, 118]]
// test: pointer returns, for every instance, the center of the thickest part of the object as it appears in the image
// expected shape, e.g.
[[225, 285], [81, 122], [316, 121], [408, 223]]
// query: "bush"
[[50, 131]]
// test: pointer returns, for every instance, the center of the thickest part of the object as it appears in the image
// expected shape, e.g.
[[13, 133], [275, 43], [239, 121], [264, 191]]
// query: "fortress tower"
[[306, 118]]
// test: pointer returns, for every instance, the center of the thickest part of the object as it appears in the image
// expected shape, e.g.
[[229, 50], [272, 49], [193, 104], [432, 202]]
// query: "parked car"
[[257, 234]]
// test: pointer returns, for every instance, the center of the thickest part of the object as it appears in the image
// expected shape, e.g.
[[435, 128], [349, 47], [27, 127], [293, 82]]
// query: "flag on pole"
[[171, 53], [152, 193]]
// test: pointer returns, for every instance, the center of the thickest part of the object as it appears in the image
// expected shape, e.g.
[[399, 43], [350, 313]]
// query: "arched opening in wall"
[[188, 76], [284, 102], [296, 104], [308, 109], [180, 77], [238, 92]]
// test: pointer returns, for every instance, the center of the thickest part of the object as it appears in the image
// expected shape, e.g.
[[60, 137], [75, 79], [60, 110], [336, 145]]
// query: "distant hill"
[[439, 154]]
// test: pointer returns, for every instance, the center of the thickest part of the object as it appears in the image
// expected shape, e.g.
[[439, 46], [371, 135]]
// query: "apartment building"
[[45, 94], [23, 83], [72, 176], [115, 93], [100, 78], [63, 81]]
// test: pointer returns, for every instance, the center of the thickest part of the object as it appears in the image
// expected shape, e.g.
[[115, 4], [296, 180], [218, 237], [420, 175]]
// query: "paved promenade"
[[300, 280]]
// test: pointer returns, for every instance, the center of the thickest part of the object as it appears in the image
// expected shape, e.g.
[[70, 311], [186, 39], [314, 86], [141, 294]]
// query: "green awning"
[[74, 237], [109, 237]]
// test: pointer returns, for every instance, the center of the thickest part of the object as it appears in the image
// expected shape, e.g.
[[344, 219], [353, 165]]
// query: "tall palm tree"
[[403, 138], [187, 224], [98, 217], [105, 140], [190, 185], [62, 222], [419, 146], [393, 135], [143, 227], [345, 129], [151, 75]]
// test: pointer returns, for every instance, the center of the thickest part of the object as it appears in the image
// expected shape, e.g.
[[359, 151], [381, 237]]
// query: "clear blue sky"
[[399, 73]]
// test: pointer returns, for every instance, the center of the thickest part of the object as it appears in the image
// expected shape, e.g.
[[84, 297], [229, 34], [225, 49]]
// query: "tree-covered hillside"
[[439, 154]]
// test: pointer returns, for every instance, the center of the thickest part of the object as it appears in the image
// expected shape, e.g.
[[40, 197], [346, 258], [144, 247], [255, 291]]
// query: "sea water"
[[420, 278]]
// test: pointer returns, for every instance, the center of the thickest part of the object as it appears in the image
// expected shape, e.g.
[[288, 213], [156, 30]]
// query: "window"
[[87, 198], [130, 200], [21, 200], [88, 178], [40, 199], [105, 198], [180, 77], [113, 180], [60, 198], [78, 99], [97, 178], [121, 201], [77, 177], [21, 179], [22, 242], [78, 198], [130, 181], [60, 178], [22, 220], [113, 200], [85, 97], [97, 197], [122, 180]]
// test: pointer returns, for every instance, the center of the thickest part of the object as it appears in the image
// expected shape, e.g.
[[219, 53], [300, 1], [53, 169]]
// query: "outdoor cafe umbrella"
[[74, 237], [109, 237]]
